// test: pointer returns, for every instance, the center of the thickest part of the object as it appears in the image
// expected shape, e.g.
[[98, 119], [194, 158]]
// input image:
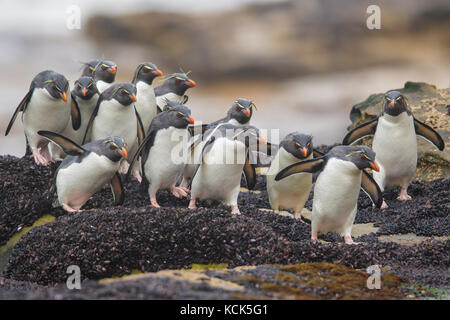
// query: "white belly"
[[165, 161], [395, 145], [44, 113], [218, 176], [114, 119], [146, 103], [291, 192], [335, 197], [161, 100], [102, 85], [78, 182]]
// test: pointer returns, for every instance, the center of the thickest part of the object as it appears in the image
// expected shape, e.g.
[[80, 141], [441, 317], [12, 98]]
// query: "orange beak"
[[191, 83], [84, 92], [133, 97], [190, 120], [246, 112], [63, 96], [392, 103], [304, 151], [113, 69], [123, 152], [374, 165], [157, 72]]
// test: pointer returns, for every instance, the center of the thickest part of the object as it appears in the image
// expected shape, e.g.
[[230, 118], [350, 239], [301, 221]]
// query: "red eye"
[[237, 108], [363, 158], [179, 115], [177, 81], [145, 70], [103, 68]]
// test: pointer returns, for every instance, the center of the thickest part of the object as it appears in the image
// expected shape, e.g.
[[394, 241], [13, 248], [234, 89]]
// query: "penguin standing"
[[174, 88], [225, 156], [85, 96], [104, 74], [87, 169], [116, 115], [337, 187], [45, 107], [395, 143], [240, 113], [145, 94], [291, 192], [161, 165]]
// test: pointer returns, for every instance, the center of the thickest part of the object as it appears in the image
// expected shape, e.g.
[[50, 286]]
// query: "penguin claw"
[[178, 192], [384, 205], [137, 176], [154, 203], [235, 210]]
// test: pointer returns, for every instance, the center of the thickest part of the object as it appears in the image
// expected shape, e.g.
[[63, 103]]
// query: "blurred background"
[[304, 63]]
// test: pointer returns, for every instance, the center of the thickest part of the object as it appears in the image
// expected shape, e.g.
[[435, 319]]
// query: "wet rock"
[[428, 104]]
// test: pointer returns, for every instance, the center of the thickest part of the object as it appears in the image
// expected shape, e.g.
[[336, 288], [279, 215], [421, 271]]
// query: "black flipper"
[[371, 188], [68, 146], [75, 113], [201, 129], [20, 108], [149, 139], [91, 120], [250, 173], [429, 133], [366, 129], [117, 189], [140, 127], [158, 110], [310, 166], [185, 99]]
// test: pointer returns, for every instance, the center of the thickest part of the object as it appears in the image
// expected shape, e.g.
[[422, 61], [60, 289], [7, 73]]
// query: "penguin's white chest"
[[335, 197], [161, 100], [102, 85], [291, 192], [79, 181], [44, 113], [115, 119], [146, 103], [395, 145], [166, 159], [219, 175]]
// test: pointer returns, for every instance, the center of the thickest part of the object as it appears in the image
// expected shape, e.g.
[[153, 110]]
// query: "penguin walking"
[[45, 107], [291, 192], [161, 164], [337, 187], [395, 143], [87, 169], [115, 115], [239, 113], [104, 74], [85, 96], [174, 89], [146, 100], [225, 156]]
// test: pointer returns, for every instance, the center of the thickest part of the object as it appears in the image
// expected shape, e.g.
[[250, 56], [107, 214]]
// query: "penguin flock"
[[102, 130]]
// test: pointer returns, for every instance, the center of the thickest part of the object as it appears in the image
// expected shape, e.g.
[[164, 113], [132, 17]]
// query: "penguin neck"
[[343, 167], [396, 119]]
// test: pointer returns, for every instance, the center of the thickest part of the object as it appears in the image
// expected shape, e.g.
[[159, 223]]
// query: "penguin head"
[[361, 156], [394, 103], [250, 135], [89, 67], [105, 71], [57, 86], [179, 83], [85, 88], [178, 116], [241, 110], [114, 148], [146, 72], [123, 92], [298, 144]]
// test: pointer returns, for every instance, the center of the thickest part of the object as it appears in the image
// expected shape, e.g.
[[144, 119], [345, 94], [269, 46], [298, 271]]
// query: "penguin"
[[87, 169], [224, 157], [89, 67], [395, 143], [239, 113], [104, 74], [161, 166], [337, 187], [85, 96], [174, 88], [145, 94], [292, 192], [45, 107], [115, 115]]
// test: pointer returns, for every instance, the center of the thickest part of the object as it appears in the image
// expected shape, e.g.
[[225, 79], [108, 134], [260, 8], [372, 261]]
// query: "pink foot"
[[124, 166], [314, 237], [69, 208], [154, 202], [235, 210], [349, 240], [178, 192], [192, 204], [39, 159], [137, 176], [384, 205], [404, 196]]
